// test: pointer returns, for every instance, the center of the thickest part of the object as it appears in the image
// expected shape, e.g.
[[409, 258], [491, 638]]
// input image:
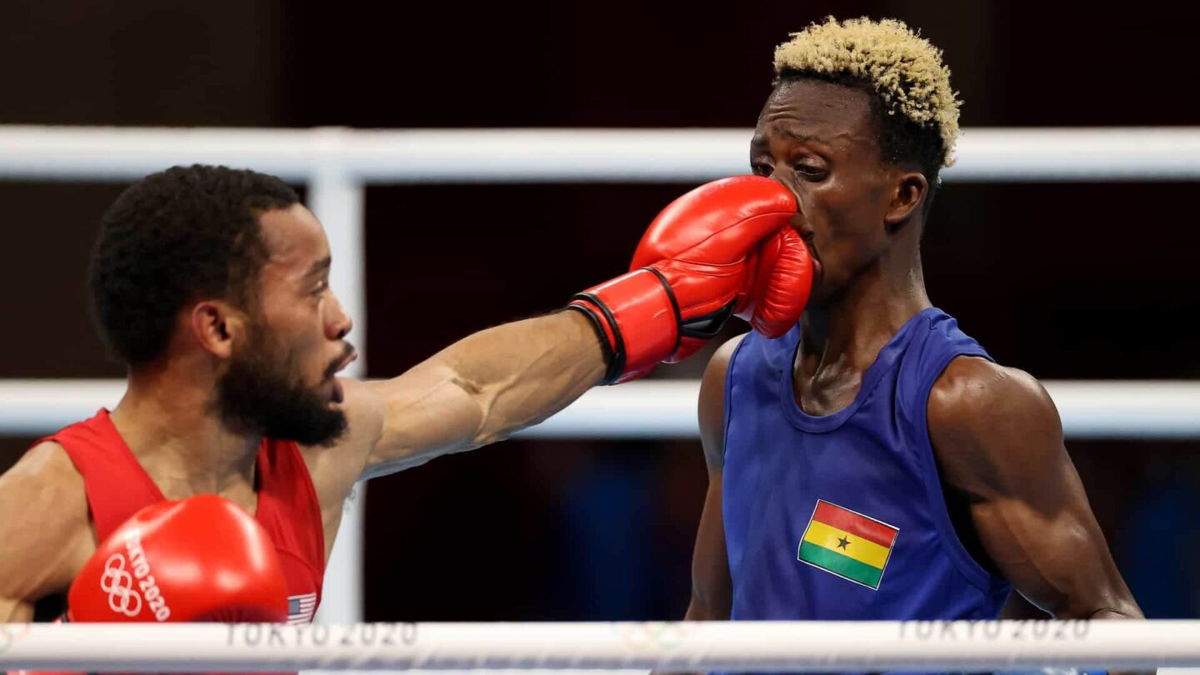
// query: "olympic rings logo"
[[117, 582], [654, 634]]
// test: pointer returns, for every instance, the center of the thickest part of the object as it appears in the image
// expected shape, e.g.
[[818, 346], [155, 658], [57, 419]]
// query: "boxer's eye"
[[810, 172], [760, 168]]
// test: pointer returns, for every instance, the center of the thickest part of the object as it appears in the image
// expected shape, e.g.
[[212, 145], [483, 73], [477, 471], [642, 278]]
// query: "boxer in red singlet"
[[211, 284]]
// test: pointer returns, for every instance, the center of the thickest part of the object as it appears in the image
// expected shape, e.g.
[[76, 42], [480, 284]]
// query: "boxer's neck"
[[171, 423], [842, 338]]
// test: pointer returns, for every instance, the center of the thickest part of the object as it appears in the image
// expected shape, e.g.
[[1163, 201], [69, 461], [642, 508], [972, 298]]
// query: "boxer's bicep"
[[427, 413], [44, 529], [484, 387], [998, 441]]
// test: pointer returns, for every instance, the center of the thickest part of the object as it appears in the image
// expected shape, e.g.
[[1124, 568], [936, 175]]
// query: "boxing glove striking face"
[[725, 248]]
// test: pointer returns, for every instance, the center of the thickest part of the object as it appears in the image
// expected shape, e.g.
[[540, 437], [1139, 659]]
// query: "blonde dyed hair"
[[903, 69]]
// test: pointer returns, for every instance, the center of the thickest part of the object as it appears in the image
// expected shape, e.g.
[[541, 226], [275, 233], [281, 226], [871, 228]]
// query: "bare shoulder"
[[365, 411], [712, 403], [46, 468], [335, 468], [991, 426], [974, 391], [44, 524]]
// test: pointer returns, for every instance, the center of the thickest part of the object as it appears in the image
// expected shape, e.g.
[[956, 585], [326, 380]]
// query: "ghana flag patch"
[[847, 544]]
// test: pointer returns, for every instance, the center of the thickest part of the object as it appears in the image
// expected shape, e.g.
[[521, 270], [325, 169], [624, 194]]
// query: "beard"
[[262, 393]]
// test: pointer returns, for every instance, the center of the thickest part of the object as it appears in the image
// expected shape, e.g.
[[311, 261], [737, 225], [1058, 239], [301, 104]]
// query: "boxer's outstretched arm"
[[725, 247], [44, 532], [483, 388], [999, 442]]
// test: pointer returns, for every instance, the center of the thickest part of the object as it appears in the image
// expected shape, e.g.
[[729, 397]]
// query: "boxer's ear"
[[907, 194], [216, 326]]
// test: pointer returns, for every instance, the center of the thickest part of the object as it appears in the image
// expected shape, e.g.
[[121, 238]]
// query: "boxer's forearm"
[[485, 387]]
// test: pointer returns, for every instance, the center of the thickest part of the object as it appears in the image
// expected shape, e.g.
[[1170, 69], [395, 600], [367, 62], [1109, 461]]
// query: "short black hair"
[[174, 236], [901, 140]]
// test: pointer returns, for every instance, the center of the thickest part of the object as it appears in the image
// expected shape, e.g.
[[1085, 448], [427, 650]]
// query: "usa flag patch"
[[301, 608]]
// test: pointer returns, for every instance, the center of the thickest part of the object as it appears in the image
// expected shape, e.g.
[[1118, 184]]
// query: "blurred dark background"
[[1068, 281]]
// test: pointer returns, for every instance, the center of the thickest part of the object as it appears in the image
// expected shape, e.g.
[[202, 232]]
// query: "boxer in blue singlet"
[[875, 462]]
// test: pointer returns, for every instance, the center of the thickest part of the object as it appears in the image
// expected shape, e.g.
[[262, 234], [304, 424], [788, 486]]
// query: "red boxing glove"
[[725, 248], [197, 559], [782, 282]]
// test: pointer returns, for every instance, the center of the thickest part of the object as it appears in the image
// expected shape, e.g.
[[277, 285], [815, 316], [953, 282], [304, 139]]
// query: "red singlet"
[[117, 487]]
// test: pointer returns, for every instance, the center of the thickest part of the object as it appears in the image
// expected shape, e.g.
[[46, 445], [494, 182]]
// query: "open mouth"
[[338, 394], [350, 355]]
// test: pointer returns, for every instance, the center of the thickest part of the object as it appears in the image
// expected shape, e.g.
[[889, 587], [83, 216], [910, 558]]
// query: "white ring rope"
[[337, 164], [667, 408], [795, 646], [563, 155]]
